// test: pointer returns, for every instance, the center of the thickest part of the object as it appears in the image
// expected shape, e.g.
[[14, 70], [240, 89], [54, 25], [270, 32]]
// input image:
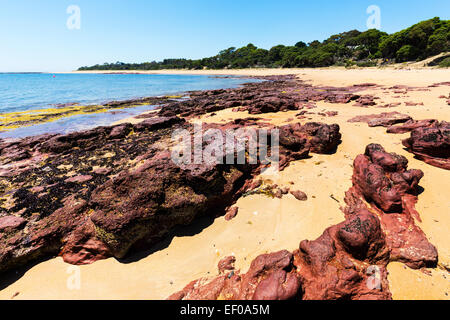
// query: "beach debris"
[[334, 198]]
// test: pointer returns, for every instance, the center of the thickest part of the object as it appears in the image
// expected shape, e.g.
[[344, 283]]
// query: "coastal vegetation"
[[445, 63], [351, 48]]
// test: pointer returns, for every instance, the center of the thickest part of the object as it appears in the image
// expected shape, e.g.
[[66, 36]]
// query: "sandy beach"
[[266, 225]]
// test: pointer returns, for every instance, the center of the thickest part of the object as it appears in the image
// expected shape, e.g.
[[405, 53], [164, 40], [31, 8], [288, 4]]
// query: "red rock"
[[83, 247], [326, 266], [365, 84], [365, 101], [431, 144], [8, 223], [413, 104], [299, 195], [102, 171], [348, 261], [78, 179], [226, 264], [383, 180], [266, 279], [390, 105], [411, 125], [322, 138], [278, 193], [120, 131], [232, 213], [86, 218], [275, 95], [383, 119]]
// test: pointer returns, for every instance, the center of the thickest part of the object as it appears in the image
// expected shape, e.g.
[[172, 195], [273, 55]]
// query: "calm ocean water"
[[20, 92]]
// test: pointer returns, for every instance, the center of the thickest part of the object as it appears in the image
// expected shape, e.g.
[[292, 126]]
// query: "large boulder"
[[431, 144]]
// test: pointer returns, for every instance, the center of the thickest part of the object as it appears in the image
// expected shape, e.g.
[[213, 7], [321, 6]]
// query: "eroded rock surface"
[[385, 119], [348, 261], [103, 192], [431, 144], [410, 125], [280, 93], [383, 185]]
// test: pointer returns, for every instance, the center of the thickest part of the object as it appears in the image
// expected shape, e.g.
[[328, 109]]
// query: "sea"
[[34, 91]]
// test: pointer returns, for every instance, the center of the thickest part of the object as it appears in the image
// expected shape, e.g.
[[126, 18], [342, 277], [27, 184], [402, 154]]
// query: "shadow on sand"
[[10, 277]]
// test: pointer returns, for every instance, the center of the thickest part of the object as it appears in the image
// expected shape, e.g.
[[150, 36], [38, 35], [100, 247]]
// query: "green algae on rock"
[[14, 120]]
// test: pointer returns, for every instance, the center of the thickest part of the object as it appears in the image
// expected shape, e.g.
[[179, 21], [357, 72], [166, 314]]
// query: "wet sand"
[[264, 224]]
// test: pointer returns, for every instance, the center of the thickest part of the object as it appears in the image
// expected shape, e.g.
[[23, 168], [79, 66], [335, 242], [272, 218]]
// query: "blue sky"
[[34, 35]]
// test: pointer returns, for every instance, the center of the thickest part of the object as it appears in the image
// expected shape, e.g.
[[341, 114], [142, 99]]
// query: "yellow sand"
[[264, 224]]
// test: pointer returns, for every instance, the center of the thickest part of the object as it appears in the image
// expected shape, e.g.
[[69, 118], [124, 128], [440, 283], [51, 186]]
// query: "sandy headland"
[[110, 166]]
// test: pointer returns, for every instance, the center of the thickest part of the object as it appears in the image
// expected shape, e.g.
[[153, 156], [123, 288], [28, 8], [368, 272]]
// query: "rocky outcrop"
[[431, 143], [348, 261], [410, 125], [323, 138], [385, 119], [383, 185], [338, 265], [278, 94], [429, 140], [103, 192], [382, 178], [50, 189], [298, 140]]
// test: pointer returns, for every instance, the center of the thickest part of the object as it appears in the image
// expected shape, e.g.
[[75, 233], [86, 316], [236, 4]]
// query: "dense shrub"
[[445, 63]]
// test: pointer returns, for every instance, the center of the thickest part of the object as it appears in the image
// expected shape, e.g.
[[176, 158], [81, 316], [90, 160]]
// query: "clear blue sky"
[[34, 35]]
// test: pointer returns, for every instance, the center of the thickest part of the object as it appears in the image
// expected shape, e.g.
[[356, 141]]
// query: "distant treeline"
[[422, 40]]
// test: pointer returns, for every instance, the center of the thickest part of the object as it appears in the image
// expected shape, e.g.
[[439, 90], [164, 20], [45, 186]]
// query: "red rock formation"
[[431, 144], [270, 277], [279, 93], [126, 193], [383, 119], [339, 263], [372, 180], [322, 138], [349, 260], [410, 125], [383, 185], [8, 223], [226, 264]]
